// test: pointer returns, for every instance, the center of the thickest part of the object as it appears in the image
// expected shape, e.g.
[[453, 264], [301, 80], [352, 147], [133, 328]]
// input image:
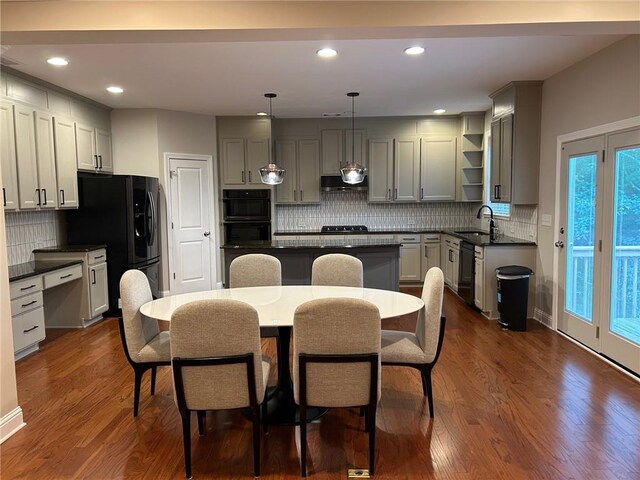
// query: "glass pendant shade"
[[272, 174], [353, 173]]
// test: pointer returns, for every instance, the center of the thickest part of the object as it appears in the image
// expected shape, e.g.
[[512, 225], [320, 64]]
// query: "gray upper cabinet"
[[337, 149], [103, 150], [438, 169], [93, 148], [301, 160], [8, 157], [26, 157], [242, 159], [46, 160], [515, 143], [406, 169], [380, 169], [65, 148]]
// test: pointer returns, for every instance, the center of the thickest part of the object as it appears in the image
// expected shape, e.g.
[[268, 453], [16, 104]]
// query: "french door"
[[599, 245]]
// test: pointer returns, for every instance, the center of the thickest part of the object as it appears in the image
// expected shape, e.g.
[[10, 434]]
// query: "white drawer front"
[[430, 238], [62, 276], [408, 238], [26, 303], [26, 286], [97, 256], [28, 329]]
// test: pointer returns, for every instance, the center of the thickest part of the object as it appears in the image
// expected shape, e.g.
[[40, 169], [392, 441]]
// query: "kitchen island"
[[380, 258]]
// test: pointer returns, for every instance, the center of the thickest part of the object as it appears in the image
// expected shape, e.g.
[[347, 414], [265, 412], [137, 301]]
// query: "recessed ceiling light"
[[414, 50], [262, 114], [439, 111], [58, 61], [115, 89], [327, 52]]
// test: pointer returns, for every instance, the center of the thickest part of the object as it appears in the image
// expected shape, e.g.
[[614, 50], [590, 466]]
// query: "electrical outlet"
[[412, 224], [546, 220], [120, 303]]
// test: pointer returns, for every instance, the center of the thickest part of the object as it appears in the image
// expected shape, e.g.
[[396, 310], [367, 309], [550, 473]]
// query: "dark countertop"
[[69, 248], [322, 243], [469, 235], [31, 269]]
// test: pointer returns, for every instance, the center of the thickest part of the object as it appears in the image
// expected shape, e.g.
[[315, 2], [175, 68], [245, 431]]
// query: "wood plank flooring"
[[508, 405]]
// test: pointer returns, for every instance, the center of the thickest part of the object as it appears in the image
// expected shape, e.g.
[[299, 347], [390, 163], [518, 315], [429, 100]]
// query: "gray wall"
[[601, 89]]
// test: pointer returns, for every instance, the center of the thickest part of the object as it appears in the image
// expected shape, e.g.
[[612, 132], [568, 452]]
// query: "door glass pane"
[[625, 295], [581, 219]]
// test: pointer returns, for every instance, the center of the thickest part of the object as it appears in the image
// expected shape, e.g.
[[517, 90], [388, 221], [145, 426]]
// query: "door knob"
[[206, 234], [559, 244]]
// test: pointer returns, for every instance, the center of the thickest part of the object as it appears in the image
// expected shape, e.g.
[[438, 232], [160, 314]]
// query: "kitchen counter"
[[468, 235], [31, 269], [318, 243], [70, 248]]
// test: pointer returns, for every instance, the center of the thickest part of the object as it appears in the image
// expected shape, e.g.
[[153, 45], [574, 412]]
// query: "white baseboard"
[[543, 317], [27, 351], [11, 423], [219, 286]]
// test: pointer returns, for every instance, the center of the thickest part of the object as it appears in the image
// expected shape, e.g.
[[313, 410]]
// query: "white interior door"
[[190, 225]]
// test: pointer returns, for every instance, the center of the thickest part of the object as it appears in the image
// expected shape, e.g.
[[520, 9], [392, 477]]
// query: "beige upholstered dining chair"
[[145, 346], [420, 350], [218, 365], [256, 270], [336, 361], [337, 269]]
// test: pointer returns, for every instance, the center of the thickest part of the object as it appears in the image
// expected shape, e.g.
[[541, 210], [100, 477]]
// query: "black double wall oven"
[[246, 216]]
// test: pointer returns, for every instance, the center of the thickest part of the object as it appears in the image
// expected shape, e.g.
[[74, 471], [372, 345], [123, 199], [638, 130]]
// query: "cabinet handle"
[[421, 192], [30, 303], [389, 196], [4, 197], [95, 157], [301, 195], [61, 196], [450, 252], [44, 192], [100, 157], [97, 257], [242, 176], [27, 288], [395, 193], [426, 253], [249, 176], [38, 193], [93, 272], [295, 195], [30, 329], [66, 276]]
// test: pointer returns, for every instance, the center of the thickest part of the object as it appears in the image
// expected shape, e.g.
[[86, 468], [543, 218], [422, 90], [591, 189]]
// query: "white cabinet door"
[[410, 262], [98, 289], [8, 157], [438, 169], [233, 172], [103, 147], [479, 283], [360, 150], [45, 153], [309, 171], [494, 170], [430, 257], [287, 191], [332, 153], [380, 169], [506, 158], [257, 157], [407, 168], [455, 266], [26, 157], [86, 148], [65, 148]]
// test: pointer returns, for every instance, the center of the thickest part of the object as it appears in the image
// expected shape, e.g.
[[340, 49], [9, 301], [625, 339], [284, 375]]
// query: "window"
[[499, 209]]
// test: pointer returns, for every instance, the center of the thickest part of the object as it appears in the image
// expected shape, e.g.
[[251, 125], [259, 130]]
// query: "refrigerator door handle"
[[152, 212]]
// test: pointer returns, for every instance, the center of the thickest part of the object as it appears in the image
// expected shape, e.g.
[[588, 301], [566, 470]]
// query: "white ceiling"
[[230, 78]]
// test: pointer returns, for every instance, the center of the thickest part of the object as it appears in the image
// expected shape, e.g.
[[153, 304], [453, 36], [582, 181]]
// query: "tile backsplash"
[[27, 231], [352, 208]]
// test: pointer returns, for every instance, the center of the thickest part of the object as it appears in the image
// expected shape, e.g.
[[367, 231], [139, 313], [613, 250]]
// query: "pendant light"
[[353, 172], [272, 174]]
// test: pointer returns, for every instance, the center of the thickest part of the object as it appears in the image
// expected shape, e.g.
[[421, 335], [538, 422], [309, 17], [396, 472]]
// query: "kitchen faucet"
[[492, 225]]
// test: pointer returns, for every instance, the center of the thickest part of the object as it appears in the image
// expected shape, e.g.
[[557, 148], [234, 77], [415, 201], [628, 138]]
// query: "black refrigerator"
[[121, 212]]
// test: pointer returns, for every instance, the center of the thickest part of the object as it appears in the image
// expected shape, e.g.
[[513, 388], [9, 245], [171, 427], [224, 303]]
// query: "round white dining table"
[[276, 307]]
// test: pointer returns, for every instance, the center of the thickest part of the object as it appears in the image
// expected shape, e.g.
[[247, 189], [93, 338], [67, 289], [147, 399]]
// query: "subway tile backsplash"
[[27, 231], [352, 208]]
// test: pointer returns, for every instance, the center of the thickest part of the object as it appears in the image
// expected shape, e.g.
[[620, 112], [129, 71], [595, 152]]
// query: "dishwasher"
[[466, 267]]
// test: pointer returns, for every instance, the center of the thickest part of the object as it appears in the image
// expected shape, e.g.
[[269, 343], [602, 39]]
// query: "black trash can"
[[513, 295]]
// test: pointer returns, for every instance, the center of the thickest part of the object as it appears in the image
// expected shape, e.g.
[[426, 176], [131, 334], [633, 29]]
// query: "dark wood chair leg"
[[186, 440], [303, 440], [153, 380], [201, 425], [424, 381], [365, 410], [371, 424], [426, 385], [362, 411], [256, 441], [137, 380], [265, 415]]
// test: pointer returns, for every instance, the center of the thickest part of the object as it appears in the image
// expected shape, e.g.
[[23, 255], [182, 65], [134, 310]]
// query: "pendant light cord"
[[353, 131]]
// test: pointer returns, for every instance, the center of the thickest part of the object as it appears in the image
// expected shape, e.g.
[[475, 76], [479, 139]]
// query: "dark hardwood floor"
[[507, 406]]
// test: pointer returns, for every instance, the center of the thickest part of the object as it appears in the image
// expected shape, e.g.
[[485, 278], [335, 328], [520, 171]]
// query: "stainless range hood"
[[333, 183]]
